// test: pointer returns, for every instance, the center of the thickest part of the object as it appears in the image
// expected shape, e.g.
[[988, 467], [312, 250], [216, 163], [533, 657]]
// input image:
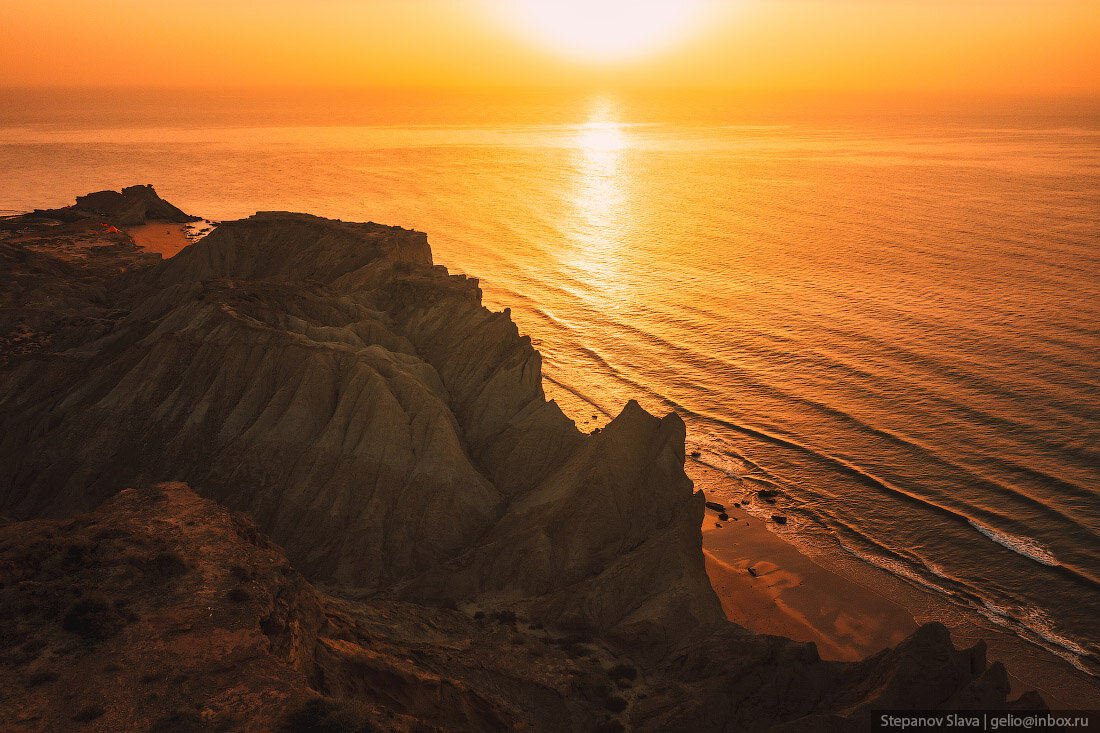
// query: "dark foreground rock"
[[162, 610], [391, 435]]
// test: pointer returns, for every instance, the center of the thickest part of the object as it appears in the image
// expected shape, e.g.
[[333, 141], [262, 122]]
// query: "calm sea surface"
[[893, 320]]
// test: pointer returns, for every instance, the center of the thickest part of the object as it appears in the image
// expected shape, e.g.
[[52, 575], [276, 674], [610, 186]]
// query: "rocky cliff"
[[391, 434]]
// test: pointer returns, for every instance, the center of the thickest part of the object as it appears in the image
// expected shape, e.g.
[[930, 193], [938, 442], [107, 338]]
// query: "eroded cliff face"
[[391, 435], [383, 426]]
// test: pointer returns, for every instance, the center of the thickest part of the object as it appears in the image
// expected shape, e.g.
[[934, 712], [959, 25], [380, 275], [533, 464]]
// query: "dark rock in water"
[[723, 516], [779, 519], [715, 506], [365, 410], [767, 494]]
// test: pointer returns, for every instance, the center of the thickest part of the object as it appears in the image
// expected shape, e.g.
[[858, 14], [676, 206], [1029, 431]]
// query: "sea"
[[888, 313]]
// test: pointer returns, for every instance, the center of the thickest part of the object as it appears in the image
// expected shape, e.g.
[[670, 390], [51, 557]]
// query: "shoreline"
[[788, 593], [851, 607], [163, 238]]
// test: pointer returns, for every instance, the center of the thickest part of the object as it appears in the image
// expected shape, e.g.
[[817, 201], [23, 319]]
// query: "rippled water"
[[895, 323]]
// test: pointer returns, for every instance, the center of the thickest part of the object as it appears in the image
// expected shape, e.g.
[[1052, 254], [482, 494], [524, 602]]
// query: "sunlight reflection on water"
[[600, 199]]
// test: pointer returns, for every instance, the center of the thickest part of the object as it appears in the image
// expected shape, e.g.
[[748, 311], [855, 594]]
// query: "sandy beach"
[[164, 238], [766, 584], [852, 610]]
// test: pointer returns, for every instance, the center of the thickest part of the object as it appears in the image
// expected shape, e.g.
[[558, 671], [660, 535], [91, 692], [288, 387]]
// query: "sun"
[[607, 31]]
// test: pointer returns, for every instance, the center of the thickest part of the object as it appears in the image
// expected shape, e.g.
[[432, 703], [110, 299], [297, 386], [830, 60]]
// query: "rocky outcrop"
[[59, 282], [590, 578], [158, 607], [742, 681], [391, 435], [134, 205]]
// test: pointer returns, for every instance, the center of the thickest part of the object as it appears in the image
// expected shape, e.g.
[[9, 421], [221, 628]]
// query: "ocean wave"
[[1039, 624], [894, 567], [1034, 620], [1021, 545], [735, 467], [578, 394]]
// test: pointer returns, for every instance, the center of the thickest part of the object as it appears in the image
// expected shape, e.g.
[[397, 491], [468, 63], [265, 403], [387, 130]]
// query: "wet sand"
[[767, 585], [160, 237], [848, 608]]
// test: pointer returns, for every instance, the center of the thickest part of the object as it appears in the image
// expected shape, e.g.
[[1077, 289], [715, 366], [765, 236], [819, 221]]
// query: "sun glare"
[[608, 30]]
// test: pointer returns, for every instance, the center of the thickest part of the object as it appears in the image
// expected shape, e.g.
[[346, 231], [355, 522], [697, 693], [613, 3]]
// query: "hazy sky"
[[991, 46]]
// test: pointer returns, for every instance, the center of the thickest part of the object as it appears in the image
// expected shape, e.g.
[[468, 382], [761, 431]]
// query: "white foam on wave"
[[935, 569], [1039, 624], [1021, 545], [893, 567], [1033, 619], [727, 462]]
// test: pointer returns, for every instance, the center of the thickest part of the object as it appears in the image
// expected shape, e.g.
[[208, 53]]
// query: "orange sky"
[[991, 46]]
